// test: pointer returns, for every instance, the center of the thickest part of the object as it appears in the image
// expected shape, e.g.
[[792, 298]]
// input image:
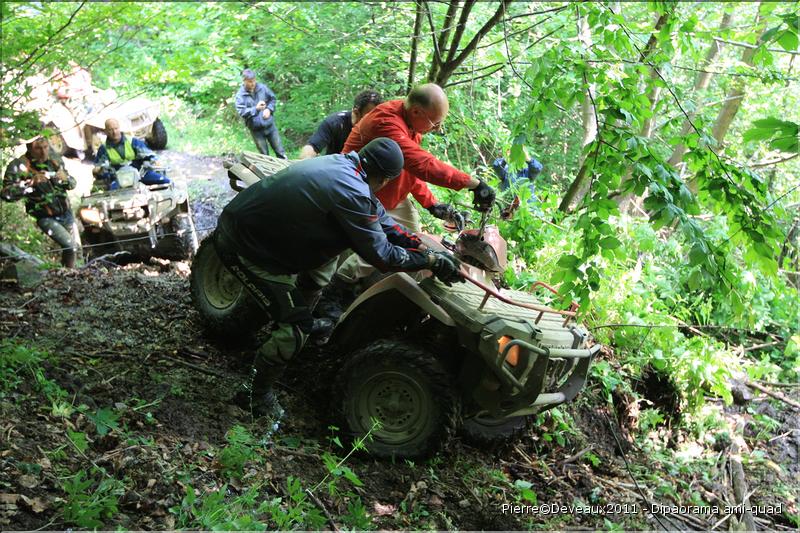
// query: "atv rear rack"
[[490, 291]]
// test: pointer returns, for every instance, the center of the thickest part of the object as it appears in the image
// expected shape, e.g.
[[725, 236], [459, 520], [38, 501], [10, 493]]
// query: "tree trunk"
[[448, 53], [628, 201], [439, 44], [578, 187], [701, 83], [412, 63], [733, 100]]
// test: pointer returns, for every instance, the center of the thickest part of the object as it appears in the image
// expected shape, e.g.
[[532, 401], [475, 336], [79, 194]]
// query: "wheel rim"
[[221, 289], [399, 402]]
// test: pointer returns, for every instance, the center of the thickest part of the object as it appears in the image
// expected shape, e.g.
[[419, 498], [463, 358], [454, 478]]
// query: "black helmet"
[[381, 157]]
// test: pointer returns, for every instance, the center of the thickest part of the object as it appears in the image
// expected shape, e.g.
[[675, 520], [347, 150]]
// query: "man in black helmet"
[[281, 238]]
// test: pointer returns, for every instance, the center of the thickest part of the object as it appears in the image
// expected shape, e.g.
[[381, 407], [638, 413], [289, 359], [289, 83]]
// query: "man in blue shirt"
[[524, 176], [255, 103], [119, 150]]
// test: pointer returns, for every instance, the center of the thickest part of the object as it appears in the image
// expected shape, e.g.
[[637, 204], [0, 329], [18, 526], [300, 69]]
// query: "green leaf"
[[104, 420], [788, 40], [568, 261], [757, 134], [352, 477], [772, 123], [609, 243], [785, 144], [698, 255], [79, 439]]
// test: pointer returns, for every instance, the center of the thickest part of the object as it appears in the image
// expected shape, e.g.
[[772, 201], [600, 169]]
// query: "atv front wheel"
[[227, 309], [407, 391], [157, 140], [182, 244], [483, 431]]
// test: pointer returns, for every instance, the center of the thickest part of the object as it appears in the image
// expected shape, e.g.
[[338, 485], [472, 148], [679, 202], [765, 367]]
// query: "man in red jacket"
[[405, 122]]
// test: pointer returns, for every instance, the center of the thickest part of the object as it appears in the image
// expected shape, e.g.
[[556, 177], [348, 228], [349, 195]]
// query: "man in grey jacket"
[[255, 103]]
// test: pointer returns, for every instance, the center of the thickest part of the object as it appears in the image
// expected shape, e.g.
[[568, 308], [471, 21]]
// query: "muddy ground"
[[128, 391]]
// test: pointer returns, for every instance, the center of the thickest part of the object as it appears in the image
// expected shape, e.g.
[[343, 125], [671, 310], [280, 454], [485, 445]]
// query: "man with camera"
[[255, 103], [39, 177]]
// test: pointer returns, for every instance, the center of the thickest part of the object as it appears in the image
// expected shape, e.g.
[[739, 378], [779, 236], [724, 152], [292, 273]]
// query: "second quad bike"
[[144, 220], [421, 361], [77, 120]]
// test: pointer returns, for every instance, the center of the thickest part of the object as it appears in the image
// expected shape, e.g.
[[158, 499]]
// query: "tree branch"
[[49, 39], [753, 46], [770, 163], [481, 33], [462, 24], [502, 66]]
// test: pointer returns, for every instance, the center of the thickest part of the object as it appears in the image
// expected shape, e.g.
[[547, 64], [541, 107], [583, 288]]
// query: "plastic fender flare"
[[405, 285]]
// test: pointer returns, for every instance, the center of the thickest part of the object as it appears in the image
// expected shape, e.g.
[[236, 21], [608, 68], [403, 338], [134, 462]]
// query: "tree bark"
[[412, 63], [628, 201], [701, 83], [733, 100], [578, 187]]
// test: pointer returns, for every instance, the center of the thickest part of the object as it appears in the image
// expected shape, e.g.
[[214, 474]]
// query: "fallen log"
[[776, 395]]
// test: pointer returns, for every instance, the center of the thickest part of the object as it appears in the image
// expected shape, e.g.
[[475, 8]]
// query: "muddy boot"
[[260, 398], [336, 297]]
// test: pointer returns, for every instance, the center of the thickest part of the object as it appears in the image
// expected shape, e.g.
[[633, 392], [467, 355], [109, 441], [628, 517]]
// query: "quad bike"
[[421, 361], [143, 220], [78, 122]]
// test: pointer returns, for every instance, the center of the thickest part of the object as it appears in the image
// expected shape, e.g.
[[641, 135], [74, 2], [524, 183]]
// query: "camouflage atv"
[[424, 360], [143, 220]]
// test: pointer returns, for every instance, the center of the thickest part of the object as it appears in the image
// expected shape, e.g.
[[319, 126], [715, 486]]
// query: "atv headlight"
[[512, 356], [91, 215]]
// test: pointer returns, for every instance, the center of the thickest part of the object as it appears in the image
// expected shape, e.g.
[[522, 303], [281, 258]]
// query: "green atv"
[[422, 361]]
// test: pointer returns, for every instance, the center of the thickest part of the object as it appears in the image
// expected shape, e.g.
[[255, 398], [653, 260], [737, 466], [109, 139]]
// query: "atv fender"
[[383, 306]]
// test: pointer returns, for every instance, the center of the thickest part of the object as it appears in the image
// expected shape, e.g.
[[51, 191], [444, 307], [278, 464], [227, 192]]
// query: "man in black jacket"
[[281, 238], [40, 178], [333, 131]]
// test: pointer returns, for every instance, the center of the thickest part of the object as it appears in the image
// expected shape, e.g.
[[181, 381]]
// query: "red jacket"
[[420, 166]]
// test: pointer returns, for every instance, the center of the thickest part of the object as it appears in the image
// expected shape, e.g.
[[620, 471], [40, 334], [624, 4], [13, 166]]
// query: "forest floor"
[[116, 413]]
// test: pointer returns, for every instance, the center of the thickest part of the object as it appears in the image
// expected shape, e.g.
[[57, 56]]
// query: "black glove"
[[447, 213], [446, 268], [483, 196]]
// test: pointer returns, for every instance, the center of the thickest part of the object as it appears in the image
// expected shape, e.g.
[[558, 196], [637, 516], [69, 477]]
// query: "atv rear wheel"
[[157, 140], [484, 431], [406, 390], [227, 309]]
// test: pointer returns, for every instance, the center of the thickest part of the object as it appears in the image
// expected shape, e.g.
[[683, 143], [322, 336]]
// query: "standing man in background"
[[255, 103], [333, 131]]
